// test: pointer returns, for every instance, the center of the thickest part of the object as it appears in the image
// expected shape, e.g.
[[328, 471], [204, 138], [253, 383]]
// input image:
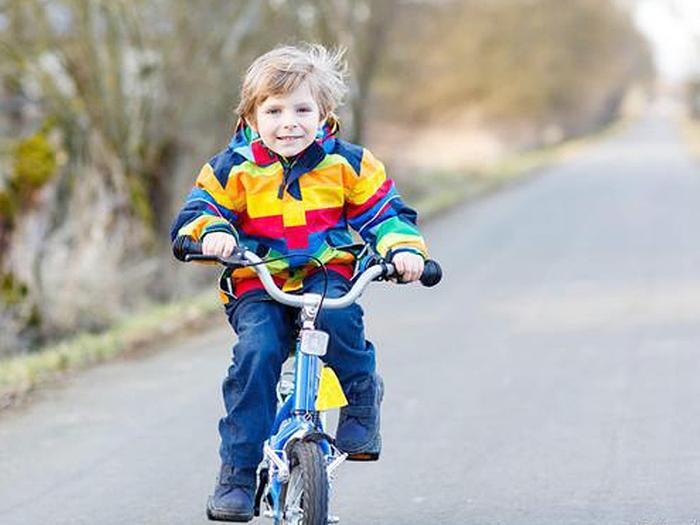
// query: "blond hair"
[[283, 69]]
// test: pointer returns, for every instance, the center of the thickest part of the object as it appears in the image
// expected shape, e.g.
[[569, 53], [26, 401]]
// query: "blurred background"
[[109, 108]]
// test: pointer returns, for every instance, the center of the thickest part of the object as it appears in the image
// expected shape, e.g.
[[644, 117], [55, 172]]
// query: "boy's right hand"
[[219, 244]]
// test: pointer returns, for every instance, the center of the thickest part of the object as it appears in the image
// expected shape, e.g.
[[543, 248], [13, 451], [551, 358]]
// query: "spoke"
[[293, 511], [296, 502]]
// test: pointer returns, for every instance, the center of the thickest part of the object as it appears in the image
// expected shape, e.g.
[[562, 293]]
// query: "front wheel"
[[305, 496]]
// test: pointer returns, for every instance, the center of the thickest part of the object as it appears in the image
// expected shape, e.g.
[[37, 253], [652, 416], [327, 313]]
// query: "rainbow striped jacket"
[[283, 209]]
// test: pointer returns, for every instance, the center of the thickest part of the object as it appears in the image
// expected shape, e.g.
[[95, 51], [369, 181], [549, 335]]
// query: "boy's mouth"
[[289, 138]]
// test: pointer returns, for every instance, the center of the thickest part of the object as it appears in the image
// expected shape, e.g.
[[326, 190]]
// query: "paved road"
[[552, 378]]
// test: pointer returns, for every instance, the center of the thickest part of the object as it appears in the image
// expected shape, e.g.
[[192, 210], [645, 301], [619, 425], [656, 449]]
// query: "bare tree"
[[114, 83]]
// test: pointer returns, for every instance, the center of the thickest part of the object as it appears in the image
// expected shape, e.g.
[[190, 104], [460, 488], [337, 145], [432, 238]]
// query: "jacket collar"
[[247, 143]]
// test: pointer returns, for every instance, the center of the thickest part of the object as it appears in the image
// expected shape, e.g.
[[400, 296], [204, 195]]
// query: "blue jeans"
[[266, 332]]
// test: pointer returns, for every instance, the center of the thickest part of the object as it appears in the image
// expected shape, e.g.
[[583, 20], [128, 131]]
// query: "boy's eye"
[[272, 111], [304, 110]]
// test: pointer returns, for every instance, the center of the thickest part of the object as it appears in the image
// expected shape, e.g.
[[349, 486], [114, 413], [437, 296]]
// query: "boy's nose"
[[288, 121]]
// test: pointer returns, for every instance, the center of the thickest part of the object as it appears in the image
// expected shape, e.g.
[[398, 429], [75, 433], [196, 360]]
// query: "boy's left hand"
[[408, 265]]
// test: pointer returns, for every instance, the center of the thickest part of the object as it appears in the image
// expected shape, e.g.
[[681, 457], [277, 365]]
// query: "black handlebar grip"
[[184, 245], [432, 273]]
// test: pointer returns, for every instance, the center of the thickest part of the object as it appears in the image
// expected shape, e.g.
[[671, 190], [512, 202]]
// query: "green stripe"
[[260, 171], [395, 225]]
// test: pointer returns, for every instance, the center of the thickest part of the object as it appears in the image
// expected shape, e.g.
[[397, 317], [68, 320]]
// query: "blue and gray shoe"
[[233, 496], [358, 426]]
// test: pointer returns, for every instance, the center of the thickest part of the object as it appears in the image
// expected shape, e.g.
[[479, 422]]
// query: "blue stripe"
[[222, 163], [351, 152]]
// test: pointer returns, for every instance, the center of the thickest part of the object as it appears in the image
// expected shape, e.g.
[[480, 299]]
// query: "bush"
[[34, 163]]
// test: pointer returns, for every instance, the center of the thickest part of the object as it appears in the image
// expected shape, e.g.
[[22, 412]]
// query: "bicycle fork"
[[298, 418]]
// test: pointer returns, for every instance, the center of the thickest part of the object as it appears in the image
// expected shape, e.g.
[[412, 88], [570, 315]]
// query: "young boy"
[[286, 185]]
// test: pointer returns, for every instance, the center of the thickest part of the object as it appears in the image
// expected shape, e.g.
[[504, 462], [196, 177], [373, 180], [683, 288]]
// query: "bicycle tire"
[[305, 495]]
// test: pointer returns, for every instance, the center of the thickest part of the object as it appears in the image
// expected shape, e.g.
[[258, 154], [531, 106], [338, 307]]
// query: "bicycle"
[[300, 459]]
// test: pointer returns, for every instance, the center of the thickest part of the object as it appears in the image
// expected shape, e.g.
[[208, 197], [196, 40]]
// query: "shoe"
[[358, 425], [233, 495]]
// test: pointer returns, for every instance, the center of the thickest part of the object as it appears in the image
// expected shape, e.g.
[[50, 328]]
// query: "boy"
[[287, 185]]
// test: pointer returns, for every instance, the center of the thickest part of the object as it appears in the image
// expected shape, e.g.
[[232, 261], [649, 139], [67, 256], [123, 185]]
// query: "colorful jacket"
[[280, 209]]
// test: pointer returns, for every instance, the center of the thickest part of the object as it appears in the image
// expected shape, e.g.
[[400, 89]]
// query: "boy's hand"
[[219, 244], [408, 265]]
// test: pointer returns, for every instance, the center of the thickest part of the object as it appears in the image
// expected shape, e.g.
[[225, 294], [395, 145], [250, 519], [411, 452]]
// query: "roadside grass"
[[20, 375], [433, 193]]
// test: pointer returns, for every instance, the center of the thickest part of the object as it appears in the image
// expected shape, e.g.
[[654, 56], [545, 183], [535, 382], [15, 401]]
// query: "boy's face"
[[287, 123]]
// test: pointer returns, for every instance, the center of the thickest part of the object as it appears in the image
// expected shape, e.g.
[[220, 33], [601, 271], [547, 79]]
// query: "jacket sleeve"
[[210, 207], [376, 211]]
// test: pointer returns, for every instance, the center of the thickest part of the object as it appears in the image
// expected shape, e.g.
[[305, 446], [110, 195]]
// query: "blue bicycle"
[[300, 459]]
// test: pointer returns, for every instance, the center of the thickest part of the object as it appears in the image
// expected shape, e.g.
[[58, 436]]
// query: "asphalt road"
[[551, 379]]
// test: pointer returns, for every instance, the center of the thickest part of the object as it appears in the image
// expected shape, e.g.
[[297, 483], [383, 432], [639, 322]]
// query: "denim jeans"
[[266, 332]]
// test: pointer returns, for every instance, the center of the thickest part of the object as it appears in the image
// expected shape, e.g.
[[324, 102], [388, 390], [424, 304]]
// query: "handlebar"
[[186, 249]]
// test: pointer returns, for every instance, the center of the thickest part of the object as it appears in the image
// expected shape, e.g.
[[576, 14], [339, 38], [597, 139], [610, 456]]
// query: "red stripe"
[[343, 269], [353, 210], [246, 285], [320, 220], [270, 227], [261, 154], [297, 237]]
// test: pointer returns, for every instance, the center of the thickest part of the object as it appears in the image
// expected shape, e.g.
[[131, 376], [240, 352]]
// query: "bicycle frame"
[[297, 418]]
